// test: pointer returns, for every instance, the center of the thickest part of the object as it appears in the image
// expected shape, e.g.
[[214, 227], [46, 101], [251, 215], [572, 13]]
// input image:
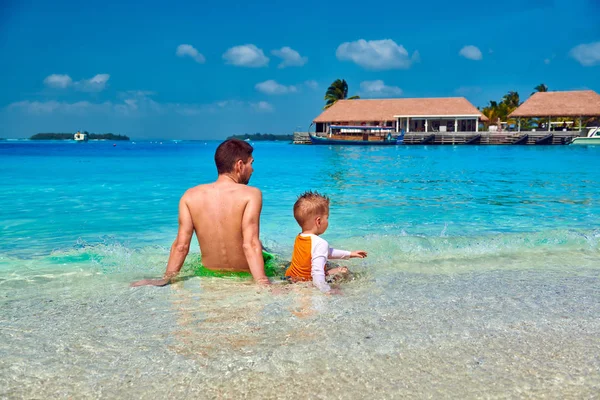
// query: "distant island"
[[69, 136], [257, 137]]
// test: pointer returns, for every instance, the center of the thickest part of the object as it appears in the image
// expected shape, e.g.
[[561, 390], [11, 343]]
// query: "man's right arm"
[[250, 236], [179, 249]]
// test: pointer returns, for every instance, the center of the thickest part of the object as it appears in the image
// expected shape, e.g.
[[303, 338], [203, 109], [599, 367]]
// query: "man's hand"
[[150, 282], [179, 249], [358, 254], [264, 281]]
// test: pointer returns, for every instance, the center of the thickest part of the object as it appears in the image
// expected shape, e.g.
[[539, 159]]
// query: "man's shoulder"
[[207, 188], [197, 190], [253, 190], [249, 191]]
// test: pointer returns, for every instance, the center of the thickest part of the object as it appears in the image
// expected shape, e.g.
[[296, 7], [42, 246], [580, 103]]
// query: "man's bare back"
[[217, 211], [225, 216]]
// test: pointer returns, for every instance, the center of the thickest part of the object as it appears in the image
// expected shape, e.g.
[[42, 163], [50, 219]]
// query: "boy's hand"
[[358, 254]]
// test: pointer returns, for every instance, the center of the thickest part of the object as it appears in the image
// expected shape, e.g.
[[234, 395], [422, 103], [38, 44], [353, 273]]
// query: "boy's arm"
[[179, 249], [250, 236], [344, 255], [335, 254], [317, 270]]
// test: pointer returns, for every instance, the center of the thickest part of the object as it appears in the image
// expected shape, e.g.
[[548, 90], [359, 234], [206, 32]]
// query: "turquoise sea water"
[[482, 278]]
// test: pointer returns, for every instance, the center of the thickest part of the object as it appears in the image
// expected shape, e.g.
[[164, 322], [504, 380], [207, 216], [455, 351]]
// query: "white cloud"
[[134, 104], [53, 106], [223, 106], [376, 54], [379, 89], [95, 84], [549, 59], [290, 57], [224, 103], [314, 85], [138, 105], [219, 106], [247, 55], [136, 93], [138, 102], [587, 54], [58, 81], [262, 106], [187, 50], [272, 87], [35, 107], [471, 52]]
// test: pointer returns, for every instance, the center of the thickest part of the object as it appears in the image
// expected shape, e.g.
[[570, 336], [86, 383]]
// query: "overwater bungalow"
[[451, 114], [579, 105], [560, 118]]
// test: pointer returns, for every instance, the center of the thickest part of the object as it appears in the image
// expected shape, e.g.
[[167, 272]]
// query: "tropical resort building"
[[548, 118], [451, 114], [573, 108]]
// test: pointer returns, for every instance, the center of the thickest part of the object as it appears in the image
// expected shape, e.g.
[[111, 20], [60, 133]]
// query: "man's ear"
[[238, 166]]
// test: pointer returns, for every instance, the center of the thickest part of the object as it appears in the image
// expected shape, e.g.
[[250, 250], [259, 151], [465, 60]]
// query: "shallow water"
[[482, 278]]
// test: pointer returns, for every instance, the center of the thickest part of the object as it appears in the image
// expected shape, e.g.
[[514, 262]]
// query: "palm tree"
[[499, 112], [511, 99], [338, 90], [492, 112], [540, 88]]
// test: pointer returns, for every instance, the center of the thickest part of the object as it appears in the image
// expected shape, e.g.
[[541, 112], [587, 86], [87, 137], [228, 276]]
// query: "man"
[[225, 215]]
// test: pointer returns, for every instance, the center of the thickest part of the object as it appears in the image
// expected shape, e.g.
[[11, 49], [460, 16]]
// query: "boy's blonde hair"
[[309, 205]]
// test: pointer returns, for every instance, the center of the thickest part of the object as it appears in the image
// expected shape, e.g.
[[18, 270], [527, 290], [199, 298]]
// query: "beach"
[[481, 281]]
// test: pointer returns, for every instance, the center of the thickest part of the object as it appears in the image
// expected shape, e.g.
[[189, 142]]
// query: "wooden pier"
[[497, 138], [301, 138], [478, 138]]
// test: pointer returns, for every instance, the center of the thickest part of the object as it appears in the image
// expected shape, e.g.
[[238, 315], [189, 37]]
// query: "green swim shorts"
[[272, 268]]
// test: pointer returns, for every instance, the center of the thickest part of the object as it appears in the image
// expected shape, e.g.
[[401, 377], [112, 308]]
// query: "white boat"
[[592, 138], [80, 137]]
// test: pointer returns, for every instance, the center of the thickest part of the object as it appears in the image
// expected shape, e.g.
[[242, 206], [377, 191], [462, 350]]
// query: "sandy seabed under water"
[[511, 333]]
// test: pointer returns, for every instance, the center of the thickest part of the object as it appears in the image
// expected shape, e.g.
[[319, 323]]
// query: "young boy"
[[310, 255]]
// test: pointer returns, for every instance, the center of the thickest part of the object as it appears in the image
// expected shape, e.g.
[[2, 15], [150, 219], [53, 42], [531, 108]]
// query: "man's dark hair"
[[229, 152]]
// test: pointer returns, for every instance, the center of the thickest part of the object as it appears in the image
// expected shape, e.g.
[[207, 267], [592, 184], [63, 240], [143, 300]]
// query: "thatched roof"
[[580, 103], [386, 109]]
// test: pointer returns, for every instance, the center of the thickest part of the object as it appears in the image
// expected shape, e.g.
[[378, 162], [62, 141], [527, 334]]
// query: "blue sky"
[[205, 70]]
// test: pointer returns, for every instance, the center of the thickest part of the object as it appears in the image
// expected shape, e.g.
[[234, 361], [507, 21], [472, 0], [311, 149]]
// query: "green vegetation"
[[499, 111], [540, 88], [69, 136], [338, 90], [257, 137]]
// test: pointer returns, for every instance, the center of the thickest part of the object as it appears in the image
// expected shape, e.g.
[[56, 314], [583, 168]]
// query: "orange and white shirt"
[[309, 258]]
